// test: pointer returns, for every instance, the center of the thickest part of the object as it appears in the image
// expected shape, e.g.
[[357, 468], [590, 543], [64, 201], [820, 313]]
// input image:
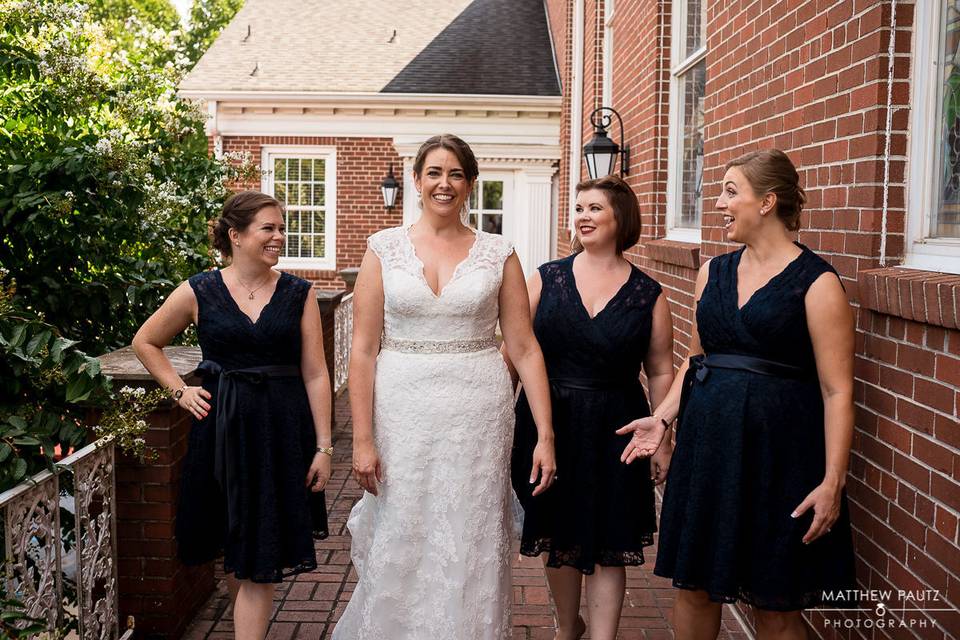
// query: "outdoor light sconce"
[[389, 188], [601, 152]]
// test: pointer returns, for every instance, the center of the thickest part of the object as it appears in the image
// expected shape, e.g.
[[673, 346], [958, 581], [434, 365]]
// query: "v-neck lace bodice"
[[231, 338], [467, 307]]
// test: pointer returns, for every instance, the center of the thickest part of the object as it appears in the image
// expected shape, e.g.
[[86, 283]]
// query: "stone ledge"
[[685, 254], [922, 296], [123, 364]]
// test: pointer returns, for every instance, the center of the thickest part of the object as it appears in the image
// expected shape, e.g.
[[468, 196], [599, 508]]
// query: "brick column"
[[155, 588]]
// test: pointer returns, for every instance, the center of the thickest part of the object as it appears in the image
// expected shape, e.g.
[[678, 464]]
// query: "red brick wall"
[[560, 13], [811, 78], [361, 165]]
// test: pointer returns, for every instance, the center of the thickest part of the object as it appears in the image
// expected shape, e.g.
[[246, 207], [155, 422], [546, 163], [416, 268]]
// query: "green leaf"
[[56, 352], [79, 389], [19, 469], [5, 451], [17, 422], [38, 342], [92, 367], [26, 441]]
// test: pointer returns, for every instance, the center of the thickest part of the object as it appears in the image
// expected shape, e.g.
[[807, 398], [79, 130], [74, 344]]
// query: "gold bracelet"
[[326, 450]]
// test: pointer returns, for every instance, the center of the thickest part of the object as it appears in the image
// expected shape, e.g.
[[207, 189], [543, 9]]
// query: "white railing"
[[342, 335], [56, 568]]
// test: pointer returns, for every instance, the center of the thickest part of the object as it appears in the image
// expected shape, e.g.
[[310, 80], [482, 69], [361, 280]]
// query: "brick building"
[[862, 95], [325, 96]]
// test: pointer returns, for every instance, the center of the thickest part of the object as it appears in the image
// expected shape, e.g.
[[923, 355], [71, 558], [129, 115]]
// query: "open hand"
[[544, 466], [647, 434], [825, 501], [196, 401]]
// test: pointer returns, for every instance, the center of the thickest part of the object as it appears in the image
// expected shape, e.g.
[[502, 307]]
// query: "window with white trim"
[[608, 10], [688, 76], [304, 179], [486, 206], [933, 224]]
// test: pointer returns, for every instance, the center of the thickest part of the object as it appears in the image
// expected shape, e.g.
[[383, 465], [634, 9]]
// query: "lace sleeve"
[[386, 245], [494, 251]]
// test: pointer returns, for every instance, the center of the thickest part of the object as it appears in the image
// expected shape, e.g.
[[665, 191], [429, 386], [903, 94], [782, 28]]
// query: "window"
[[934, 204], [688, 76], [304, 179], [608, 9], [486, 206]]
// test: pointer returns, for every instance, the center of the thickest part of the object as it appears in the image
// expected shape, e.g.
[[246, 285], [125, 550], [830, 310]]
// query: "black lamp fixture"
[[601, 152], [389, 188]]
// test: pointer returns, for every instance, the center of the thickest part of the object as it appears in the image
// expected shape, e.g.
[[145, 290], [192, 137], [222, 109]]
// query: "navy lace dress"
[[749, 449], [242, 489], [599, 511]]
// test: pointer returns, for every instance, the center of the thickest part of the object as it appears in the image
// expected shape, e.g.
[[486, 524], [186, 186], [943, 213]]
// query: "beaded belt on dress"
[[437, 346]]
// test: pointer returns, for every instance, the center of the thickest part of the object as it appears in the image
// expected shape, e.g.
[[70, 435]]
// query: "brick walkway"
[[309, 606]]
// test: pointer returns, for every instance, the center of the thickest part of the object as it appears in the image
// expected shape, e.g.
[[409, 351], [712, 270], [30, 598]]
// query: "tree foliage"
[[106, 190], [207, 20]]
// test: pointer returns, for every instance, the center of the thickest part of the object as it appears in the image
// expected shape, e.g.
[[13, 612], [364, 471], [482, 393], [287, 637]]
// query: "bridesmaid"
[[754, 508], [598, 319], [259, 450]]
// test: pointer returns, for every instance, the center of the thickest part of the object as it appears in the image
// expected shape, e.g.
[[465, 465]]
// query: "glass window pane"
[[493, 195], [473, 195], [946, 221], [280, 191], [293, 169], [306, 170], [318, 246], [318, 222], [493, 222], [472, 221], [279, 169], [293, 222], [318, 194], [293, 246], [691, 163], [696, 23], [319, 170]]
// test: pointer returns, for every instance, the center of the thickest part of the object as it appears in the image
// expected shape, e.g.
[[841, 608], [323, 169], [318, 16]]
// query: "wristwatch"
[[179, 393], [326, 450]]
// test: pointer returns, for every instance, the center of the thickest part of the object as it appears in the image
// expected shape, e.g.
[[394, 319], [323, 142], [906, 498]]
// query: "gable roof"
[[494, 47], [497, 47]]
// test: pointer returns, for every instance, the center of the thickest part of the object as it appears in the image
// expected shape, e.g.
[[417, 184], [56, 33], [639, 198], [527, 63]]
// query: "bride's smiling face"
[[443, 185]]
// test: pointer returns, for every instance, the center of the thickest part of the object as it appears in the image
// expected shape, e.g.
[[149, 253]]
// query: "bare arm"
[[830, 323], [534, 287], [316, 379], [649, 432], [526, 356], [367, 329], [173, 316]]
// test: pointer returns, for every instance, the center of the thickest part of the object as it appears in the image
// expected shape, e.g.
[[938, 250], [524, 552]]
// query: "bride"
[[433, 419]]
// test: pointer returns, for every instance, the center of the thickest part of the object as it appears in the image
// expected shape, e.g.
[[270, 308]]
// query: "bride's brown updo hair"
[[238, 212], [454, 145], [771, 171]]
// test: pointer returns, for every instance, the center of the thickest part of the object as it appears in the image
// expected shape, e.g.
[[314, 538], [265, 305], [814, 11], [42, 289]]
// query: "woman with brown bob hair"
[[754, 508], [599, 321], [259, 449]]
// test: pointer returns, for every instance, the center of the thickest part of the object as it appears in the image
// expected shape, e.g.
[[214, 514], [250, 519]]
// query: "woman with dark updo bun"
[[259, 451]]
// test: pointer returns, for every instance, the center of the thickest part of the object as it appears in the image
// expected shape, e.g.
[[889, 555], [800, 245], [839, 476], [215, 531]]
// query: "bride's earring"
[[465, 214]]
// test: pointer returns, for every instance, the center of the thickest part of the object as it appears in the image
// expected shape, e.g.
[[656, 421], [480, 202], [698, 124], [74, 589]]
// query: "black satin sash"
[[595, 384], [700, 366], [226, 461]]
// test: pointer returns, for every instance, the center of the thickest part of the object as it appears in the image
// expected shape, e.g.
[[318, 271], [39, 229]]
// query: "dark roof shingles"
[[496, 47]]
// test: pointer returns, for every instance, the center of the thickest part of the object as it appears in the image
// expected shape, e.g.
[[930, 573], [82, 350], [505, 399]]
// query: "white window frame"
[[507, 211], [329, 155], [924, 252], [679, 66], [609, 9]]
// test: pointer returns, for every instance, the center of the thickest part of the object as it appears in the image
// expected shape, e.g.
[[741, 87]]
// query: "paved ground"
[[309, 606]]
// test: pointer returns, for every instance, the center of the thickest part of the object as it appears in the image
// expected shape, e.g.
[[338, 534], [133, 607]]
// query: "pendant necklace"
[[252, 291]]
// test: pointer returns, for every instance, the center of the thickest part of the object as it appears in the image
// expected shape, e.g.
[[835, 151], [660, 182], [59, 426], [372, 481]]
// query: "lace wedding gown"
[[432, 550]]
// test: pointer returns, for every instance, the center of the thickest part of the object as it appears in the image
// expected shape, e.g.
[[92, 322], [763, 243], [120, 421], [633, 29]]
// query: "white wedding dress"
[[432, 550]]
